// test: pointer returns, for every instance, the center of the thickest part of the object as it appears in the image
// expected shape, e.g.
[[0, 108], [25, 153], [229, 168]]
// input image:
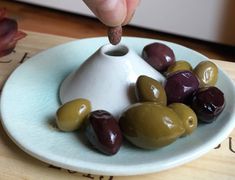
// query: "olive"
[[179, 66], [158, 55], [180, 86], [186, 115], [103, 132], [150, 125], [71, 115], [208, 103], [148, 89], [207, 73], [115, 34]]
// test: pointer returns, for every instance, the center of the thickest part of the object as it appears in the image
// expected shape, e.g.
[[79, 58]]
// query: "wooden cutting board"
[[219, 163]]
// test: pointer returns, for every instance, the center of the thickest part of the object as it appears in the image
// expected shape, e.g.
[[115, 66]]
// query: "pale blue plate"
[[30, 100]]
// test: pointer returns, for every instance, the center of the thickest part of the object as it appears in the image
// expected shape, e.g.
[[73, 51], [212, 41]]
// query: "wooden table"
[[15, 164]]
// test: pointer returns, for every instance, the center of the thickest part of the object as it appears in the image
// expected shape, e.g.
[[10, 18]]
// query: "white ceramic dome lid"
[[107, 79]]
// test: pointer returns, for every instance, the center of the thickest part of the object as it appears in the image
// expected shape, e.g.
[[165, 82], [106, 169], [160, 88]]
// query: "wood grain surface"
[[17, 165], [40, 19]]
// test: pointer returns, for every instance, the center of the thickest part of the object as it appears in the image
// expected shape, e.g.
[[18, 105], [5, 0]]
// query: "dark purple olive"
[[180, 87], [208, 103], [159, 56], [103, 132]]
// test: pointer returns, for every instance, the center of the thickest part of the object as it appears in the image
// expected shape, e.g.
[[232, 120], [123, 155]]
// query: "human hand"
[[113, 12]]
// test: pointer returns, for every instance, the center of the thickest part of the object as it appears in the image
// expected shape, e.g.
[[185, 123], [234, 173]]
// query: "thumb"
[[110, 12]]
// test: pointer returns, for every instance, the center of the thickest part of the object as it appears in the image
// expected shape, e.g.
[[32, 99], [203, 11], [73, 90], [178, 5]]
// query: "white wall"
[[211, 20]]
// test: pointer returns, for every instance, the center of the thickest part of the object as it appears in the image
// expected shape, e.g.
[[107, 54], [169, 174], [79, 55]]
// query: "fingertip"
[[131, 6], [110, 19], [109, 12], [113, 16]]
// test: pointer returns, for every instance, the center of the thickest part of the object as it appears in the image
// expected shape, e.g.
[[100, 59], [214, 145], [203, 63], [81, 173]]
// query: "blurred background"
[[211, 20], [207, 26]]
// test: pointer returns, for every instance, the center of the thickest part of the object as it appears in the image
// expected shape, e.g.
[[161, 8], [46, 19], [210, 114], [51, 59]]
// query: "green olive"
[[186, 115], [179, 66], [71, 115], [150, 125], [207, 73], [150, 90]]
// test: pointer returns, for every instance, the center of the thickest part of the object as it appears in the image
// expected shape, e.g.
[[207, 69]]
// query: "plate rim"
[[137, 170]]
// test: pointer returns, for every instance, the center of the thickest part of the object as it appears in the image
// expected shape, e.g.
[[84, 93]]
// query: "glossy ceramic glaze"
[[107, 79], [30, 99]]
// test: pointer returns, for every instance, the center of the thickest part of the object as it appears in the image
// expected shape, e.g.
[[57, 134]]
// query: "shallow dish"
[[30, 99]]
